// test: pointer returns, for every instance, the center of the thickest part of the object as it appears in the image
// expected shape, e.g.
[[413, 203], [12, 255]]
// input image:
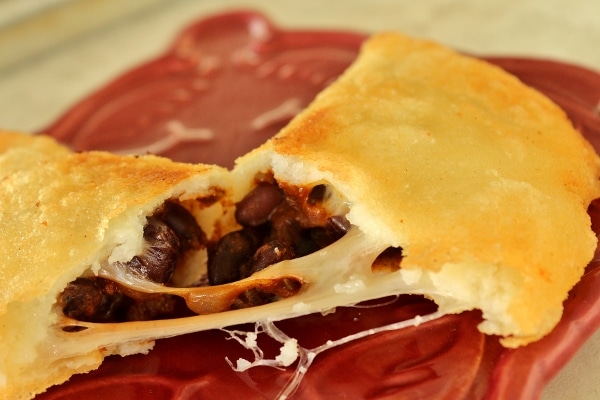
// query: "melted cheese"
[[336, 275]]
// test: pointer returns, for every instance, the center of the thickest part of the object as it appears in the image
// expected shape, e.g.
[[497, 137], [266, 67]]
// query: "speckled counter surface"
[[50, 58]]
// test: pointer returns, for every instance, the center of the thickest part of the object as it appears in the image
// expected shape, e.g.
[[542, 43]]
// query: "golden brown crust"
[[480, 179]]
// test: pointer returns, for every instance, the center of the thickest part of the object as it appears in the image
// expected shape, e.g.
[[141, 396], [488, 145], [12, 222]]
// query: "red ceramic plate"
[[227, 84]]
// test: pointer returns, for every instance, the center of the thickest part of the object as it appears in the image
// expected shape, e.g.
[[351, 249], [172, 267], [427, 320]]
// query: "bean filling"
[[102, 300], [276, 223], [276, 226]]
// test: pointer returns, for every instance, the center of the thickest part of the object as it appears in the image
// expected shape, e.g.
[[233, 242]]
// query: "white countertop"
[[54, 52]]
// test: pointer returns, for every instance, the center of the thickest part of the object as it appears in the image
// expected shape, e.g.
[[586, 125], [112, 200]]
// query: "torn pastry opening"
[[191, 266]]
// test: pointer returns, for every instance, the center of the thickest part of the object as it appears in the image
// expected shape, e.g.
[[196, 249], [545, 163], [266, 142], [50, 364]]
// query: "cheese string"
[[305, 356]]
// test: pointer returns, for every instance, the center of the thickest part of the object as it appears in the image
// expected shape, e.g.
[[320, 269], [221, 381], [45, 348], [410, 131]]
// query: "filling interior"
[[276, 222]]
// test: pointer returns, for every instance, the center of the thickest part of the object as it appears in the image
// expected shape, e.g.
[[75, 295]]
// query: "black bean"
[[252, 298], [183, 223], [286, 224], [256, 207], [152, 307], [230, 256], [271, 253], [321, 237], [338, 225], [158, 261], [94, 300], [306, 244], [317, 194], [101, 300], [291, 227]]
